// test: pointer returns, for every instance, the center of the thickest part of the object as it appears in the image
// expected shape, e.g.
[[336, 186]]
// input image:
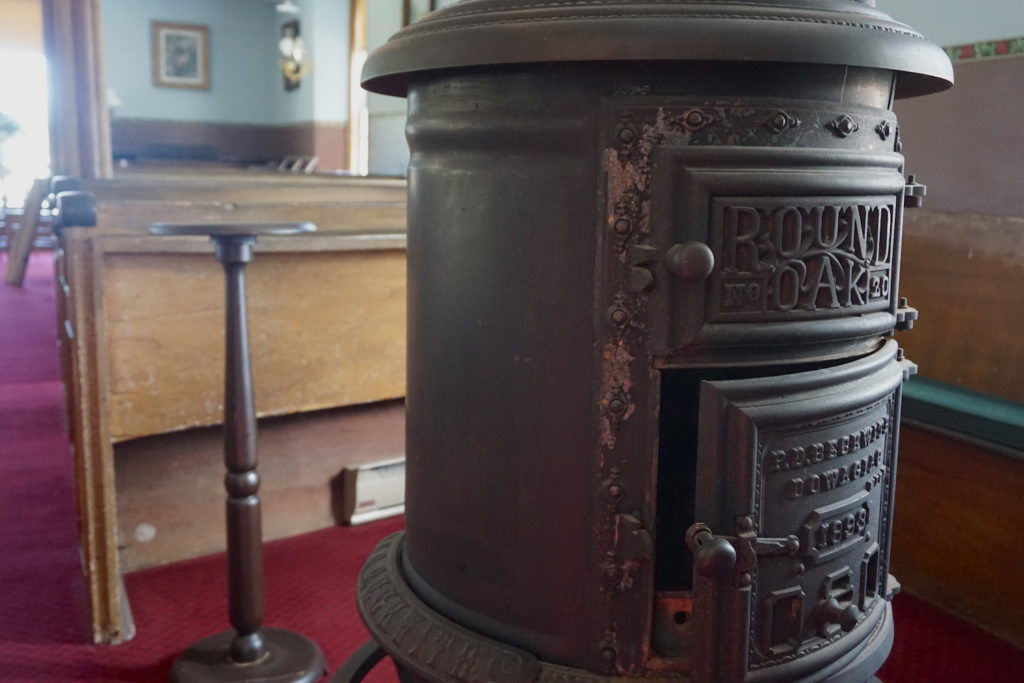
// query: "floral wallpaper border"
[[989, 49]]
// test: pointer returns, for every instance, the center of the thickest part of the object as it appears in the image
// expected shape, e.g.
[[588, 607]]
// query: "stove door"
[[772, 255], [794, 478]]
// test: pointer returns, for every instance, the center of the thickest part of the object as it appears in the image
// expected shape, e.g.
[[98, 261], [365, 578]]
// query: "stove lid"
[[496, 32]]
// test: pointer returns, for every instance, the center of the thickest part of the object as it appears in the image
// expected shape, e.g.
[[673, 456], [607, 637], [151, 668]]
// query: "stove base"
[[870, 659], [432, 649], [861, 670]]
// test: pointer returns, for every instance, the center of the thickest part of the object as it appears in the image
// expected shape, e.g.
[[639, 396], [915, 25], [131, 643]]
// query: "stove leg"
[[359, 663], [407, 676]]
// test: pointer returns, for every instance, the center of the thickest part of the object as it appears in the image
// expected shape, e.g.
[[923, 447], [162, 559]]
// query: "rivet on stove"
[[615, 490], [696, 119], [745, 579], [844, 126], [781, 121], [627, 134], [618, 316], [745, 523], [622, 227], [617, 406], [798, 568]]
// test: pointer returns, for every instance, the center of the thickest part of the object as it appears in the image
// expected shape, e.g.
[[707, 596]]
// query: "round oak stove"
[[653, 406]]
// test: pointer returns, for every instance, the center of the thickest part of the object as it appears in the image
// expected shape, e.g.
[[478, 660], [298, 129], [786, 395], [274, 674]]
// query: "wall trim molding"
[[229, 141], [986, 49], [205, 122]]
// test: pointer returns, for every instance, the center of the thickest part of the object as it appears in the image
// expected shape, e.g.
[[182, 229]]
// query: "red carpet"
[[310, 578]]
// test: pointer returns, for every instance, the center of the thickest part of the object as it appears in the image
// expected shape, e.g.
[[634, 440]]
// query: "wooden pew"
[[958, 520], [958, 527], [965, 272], [142, 362], [249, 187]]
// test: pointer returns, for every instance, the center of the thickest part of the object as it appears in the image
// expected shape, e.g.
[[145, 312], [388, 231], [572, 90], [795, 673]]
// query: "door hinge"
[[913, 195], [905, 315], [633, 549]]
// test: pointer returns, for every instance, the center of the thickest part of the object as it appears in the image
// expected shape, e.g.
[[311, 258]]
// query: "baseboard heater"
[[373, 491]]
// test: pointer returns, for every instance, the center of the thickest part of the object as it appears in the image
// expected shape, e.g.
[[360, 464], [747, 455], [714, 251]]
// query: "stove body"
[[652, 407]]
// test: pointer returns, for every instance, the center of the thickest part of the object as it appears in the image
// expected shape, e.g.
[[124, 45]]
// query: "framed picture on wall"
[[181, 55], [293, 54]]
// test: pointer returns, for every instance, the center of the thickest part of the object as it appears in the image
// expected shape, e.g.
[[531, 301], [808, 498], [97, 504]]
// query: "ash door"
[[792, 517]]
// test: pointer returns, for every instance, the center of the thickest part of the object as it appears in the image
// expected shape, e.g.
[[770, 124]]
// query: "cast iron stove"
[[653, 406]]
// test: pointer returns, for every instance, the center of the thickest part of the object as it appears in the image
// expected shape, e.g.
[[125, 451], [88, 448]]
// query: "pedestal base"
[[290, 658]]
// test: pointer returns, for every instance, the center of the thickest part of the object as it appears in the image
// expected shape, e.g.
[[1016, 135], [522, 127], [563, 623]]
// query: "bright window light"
[[26, 155]]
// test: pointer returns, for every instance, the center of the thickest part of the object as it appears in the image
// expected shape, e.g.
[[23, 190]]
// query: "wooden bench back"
[[965, 273], [142, 347], [135, 216], [227, 188], [327, 309]]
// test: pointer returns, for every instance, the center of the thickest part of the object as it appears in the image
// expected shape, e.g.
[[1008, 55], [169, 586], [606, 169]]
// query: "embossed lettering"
[[787, 231], [826, 226], [786, 285], [414, 645], [742, 225], [411, 621], [799, 457], [442, 640], [827, 283], [832, 529], [393, 609], [805, 257], [734, 294], [834, 478], [464, 660], [883, 237], [839, 530]]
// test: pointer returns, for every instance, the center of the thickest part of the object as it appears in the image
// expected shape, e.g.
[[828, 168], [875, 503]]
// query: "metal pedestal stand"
[[249, 652]]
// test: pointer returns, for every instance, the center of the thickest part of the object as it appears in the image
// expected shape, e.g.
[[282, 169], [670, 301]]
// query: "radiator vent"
[[373, 491]]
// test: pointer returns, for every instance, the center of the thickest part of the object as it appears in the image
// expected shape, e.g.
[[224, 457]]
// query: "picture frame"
[[291, 47], [181, 55]]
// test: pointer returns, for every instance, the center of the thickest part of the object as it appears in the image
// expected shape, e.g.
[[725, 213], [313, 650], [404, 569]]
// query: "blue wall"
[[389, 152], [245, 79], [326, 33]]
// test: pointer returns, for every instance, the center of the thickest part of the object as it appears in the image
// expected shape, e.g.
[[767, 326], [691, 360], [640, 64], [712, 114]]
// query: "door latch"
[[719, 556]]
